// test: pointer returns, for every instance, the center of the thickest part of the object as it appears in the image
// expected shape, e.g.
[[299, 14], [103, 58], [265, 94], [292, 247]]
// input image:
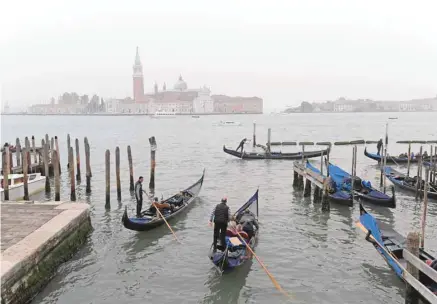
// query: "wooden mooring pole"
[[425, 207], [56, 170], [307, 191], [77, 160], [59, 155], [117, 172], [45, 147], [269, 138], [419, 174], [409, 158], [6, 172], [47, 141], [25, 170], [254, 134], [18, 152], [88, 165], [413, 241], [131, 170], [71, 170], [153, 148], [27, 147], [34, 150], [68, 146], [108, 179]]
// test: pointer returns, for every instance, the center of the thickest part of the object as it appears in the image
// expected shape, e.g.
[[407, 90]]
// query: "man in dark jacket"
[[139, 195], [221, 215], [241, 145], [379, 146]]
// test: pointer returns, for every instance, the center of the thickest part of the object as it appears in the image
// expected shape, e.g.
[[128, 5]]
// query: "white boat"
[[35, 182], [229, 123], [164, 114]]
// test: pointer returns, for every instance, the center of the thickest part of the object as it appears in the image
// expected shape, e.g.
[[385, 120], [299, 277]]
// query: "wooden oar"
[[174, 234], [278, 287]]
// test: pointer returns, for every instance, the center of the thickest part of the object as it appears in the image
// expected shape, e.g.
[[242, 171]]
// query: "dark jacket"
[[221, 213], [138, 191], [379, 145]]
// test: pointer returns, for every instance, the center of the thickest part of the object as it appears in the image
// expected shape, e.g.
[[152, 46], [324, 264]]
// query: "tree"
[[306, 107]]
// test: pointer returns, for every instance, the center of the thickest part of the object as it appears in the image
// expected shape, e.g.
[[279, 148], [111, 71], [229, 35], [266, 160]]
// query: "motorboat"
[[35, 182], [164, 114], [228, 123]]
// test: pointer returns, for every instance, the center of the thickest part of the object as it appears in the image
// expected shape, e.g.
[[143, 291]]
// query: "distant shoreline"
[[124, 114]]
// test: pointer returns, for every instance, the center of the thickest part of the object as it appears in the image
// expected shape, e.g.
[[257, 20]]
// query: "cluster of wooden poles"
[[153, 148], [46, 160]]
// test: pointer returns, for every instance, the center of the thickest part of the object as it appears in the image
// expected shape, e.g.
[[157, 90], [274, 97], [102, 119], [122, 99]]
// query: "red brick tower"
[[138, 80]]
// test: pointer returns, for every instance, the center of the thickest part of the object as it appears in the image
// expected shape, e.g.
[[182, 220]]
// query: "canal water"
[[317, 257]]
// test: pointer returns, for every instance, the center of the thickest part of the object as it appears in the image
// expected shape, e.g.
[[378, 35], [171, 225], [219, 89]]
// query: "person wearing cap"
[[221, 215], [139, 195]]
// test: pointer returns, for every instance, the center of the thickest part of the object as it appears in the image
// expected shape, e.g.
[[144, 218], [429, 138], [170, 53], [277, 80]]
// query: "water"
[[317, 257]]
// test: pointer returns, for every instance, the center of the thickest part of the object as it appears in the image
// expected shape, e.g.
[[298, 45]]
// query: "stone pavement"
[[18, 220]]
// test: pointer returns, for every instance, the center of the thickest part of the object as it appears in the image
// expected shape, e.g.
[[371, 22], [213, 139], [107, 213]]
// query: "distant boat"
[[229, 123], [164, 114], [392, 118], [195, 116], [35, 182]]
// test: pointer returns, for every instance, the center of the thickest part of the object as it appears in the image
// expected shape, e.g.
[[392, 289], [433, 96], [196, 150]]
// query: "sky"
[[285, 52]]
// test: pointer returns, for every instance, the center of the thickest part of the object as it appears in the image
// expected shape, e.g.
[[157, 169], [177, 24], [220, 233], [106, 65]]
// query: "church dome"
[[181, 85]]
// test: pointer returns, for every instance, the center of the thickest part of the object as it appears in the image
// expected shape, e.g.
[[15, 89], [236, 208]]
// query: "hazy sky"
[[282, 51]]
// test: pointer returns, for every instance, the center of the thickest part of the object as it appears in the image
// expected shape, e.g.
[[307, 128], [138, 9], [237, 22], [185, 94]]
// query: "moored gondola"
[[409, 183], [179, 203], [235, 253], [275, 155], [395, 159], [363, 189], [335, 195], [393, 247]]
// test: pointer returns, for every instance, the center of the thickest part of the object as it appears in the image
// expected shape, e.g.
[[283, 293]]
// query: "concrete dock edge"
[[27, 266]]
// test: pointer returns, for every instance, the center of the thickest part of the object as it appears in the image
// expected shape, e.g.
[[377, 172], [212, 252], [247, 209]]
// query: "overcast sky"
[[282, 51]]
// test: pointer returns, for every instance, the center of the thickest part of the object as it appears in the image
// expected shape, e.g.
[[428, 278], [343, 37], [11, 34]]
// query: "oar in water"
[[278, 287], [174, 234]]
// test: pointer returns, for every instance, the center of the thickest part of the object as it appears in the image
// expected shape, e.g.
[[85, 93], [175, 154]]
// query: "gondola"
[[235, 253], [393, 244], [363, 190], [340, 197], [408, 183], [275, 155], [150, 220], [394, 159]]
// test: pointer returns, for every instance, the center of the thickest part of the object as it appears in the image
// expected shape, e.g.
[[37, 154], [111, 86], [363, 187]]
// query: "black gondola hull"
[[279, 156]]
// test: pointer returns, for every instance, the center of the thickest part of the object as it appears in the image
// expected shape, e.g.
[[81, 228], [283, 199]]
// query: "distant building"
[[6, 108], [227, 104], [47, 109]]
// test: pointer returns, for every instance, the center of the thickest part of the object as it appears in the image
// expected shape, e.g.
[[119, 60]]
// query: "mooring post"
[[68, 146], [316, 194], [413, 241], [307, 191], [153, 148], [59, 155], [321, 163], [55, 162], [325, 199], [425, 207], [77, 160], [6, 172], [295, 179], [254, 134], [51, 168], [131, 169], [419, 173], [303, 154], [108, 179], [34, 150], [46, 164], [88, 165], [117, 172], [25, 168], [18, 152], [72, 180], [409, 157], [269, 138], [27, 147]]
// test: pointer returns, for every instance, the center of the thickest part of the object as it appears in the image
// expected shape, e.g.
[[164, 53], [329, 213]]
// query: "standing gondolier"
[[241, 145], [221, 215], [139, 195], [379, 146]]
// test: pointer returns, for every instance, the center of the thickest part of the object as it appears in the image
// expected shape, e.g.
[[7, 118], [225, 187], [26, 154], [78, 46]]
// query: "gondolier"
[[241, 145], [379, 146], [221, 215], [139, 195]]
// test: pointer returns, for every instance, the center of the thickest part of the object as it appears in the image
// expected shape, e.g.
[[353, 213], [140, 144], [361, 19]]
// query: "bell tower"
[[138, 80]]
